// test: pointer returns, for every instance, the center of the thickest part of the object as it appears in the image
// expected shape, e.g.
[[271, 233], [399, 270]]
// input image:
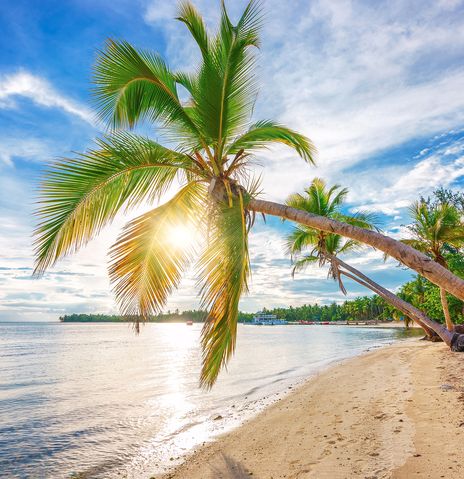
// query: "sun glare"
[[181, 236]]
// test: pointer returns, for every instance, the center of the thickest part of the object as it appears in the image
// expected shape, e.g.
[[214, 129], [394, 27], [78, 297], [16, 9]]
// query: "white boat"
[[262, 319]]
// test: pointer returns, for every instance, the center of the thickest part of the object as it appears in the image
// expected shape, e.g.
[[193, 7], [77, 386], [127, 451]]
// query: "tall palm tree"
[[308, 246], [210, 143], [435, 228]]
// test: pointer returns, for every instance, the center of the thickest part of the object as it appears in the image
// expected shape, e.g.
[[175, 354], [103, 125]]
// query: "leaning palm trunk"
[[453, 340], [408, 309], [405, 254], [444, 304], [401, 305]]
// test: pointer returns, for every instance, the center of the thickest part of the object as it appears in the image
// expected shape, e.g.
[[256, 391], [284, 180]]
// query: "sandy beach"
[[395, 412]]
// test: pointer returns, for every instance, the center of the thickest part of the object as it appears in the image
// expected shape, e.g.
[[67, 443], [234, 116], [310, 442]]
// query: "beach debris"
[[217, 417], [447, 387]]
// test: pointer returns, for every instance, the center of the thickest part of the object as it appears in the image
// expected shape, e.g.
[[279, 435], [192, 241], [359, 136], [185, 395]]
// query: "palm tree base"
[[457, 343], [433, 337]]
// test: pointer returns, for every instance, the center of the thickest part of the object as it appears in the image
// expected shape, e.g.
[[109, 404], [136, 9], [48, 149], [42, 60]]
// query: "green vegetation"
[[437, 228], [438, 231], [366, 308], [168, 317]]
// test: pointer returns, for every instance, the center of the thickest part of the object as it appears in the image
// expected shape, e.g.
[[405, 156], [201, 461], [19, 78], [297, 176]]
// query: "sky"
[[376, 85]]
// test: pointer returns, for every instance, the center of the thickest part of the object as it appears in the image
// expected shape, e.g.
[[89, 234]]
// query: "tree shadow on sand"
[[229, 469]]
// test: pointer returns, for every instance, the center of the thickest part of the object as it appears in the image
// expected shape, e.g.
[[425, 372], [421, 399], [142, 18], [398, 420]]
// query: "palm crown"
[[308, 245], [434, 228], [213, 144]]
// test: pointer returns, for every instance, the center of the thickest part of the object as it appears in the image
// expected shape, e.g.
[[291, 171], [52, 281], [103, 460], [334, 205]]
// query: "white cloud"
[[32, 149], [393, 188], [39, 91]]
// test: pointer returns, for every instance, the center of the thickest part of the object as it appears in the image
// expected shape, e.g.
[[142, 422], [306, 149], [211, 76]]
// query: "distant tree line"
[[197, 316], [419, 292], [359, 309]]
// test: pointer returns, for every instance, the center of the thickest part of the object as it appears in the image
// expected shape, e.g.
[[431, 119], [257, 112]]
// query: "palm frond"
[[303, 262], [225, 88], [189, 15], [223, 270], [363, 219], [79, 196], [300, 238], [132, 85], [145, 263], [322, 246], [263, 133]]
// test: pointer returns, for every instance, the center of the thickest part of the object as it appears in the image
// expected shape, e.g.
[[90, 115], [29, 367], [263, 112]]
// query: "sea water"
[[88, 400]]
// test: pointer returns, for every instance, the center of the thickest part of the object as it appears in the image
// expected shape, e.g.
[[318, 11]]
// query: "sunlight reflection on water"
[[96, 400]]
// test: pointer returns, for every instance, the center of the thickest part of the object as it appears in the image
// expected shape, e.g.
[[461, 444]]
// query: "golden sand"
[[396, 412]]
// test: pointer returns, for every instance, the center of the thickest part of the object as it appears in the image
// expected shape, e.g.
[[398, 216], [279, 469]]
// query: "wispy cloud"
[[40, 92], [32, 149], [396, 186], [357, 77]]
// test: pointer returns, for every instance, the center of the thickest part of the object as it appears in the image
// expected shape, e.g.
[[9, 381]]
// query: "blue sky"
[[378, 86]]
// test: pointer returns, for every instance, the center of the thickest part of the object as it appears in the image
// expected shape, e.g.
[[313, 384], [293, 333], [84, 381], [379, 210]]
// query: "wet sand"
[[395, 412]]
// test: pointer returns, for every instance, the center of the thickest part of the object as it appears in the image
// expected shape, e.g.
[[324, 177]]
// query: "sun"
[[181, 236]]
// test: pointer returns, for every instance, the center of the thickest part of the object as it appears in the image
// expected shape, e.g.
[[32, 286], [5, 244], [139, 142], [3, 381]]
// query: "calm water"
[[94, 400]]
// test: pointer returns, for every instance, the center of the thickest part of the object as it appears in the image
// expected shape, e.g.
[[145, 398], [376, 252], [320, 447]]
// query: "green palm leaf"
[[322, 246], [80, 196], [303, 262], [224, 269], [145, 264], [225, 90], [300, 238], [189, 15], [263, 133], [133, 85]]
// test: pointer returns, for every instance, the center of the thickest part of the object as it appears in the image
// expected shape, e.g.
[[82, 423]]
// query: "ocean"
[[81, 400]]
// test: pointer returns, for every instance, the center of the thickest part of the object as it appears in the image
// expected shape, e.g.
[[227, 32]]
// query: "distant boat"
[[189, 323], [305, 322], [262, 319]]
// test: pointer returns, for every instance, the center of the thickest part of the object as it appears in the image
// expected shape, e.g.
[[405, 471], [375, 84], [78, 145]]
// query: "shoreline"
[[393, 412]]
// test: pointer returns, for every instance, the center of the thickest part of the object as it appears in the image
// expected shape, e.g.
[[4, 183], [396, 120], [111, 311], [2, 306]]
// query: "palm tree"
[[435, 228], [321, 245], [210, 142], [308, 245], [206, 157]]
